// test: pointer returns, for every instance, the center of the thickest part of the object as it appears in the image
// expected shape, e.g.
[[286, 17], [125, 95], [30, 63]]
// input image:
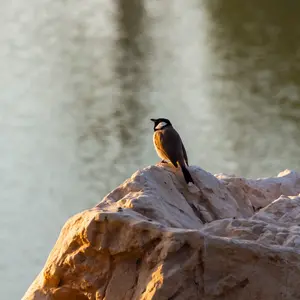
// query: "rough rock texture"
[[153, 238]]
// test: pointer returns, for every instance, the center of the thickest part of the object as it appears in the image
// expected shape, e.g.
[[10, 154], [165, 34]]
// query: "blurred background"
[[81, 79]]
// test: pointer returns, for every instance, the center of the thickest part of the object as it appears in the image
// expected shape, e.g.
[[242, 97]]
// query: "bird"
[[169, 146]]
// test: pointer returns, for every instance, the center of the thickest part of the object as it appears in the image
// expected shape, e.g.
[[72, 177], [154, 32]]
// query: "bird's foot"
[[163, 162]]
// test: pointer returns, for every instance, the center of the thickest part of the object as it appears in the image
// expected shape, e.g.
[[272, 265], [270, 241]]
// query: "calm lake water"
[[80, 80]]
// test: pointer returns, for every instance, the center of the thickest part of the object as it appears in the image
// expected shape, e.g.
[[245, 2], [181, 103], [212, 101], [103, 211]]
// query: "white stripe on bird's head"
[[160, 125]]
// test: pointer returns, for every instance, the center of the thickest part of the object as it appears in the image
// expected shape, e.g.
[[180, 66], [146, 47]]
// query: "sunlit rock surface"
[[155, 238]]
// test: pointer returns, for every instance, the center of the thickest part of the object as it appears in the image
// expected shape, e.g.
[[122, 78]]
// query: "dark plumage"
[[169, 146]]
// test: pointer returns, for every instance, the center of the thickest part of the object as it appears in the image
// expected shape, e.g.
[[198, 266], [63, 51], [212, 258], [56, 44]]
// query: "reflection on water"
[[131, 70], [257, 48], [79, 82]]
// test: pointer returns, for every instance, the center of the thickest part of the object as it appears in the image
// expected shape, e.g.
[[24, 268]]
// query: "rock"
[[154, 238], [262, 192]]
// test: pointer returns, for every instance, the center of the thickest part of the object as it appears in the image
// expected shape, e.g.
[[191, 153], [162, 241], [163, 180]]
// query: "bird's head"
[[160, 123]]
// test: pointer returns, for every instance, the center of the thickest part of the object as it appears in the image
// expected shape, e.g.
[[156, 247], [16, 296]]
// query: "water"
[[80, 80]]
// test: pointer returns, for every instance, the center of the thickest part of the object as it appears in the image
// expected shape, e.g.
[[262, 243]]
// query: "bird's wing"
[[185, 155], [169, 143]]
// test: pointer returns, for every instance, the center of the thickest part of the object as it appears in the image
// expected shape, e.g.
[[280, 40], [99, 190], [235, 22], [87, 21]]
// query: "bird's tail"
[[186, 174]]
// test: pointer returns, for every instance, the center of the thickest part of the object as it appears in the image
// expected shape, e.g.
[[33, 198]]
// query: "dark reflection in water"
[[131, 70], [257, 46], [109, 76]]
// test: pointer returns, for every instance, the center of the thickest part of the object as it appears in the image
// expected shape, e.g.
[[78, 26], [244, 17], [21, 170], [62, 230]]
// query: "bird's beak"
[[153, 120]]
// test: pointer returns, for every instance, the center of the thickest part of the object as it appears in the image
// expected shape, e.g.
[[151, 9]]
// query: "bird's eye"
[[160, 125]]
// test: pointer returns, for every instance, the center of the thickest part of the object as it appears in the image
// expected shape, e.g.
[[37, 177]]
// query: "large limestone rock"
[[155, 238]]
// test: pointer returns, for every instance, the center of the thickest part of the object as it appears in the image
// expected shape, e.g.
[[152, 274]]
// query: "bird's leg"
[[163, 162]]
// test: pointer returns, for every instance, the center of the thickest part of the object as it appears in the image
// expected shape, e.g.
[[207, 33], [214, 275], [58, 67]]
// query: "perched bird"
[[169, 147]]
